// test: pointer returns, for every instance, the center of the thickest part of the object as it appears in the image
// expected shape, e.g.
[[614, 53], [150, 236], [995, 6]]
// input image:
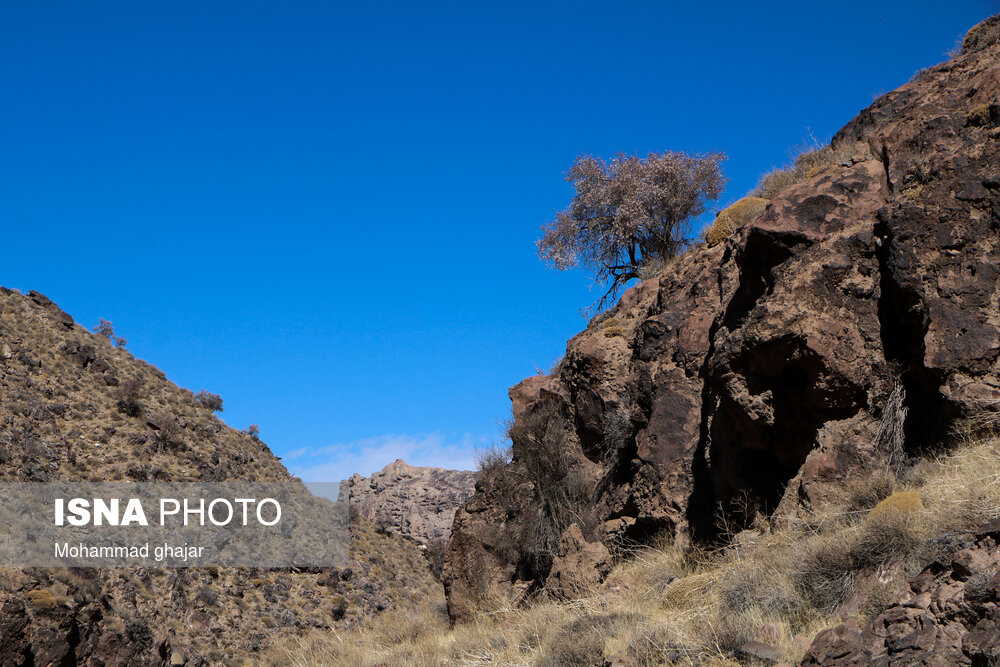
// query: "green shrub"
[[734, 217]]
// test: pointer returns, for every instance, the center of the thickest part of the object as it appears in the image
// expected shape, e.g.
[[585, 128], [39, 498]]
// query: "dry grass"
[[983, 34], [674, 605], [734, 217], [809, 163]]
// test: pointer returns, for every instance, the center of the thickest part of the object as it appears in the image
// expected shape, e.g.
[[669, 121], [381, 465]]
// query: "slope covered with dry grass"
[[671, 605]]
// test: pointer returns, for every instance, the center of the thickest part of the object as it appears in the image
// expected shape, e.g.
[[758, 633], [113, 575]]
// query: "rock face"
[[948, 615], [416, 502], [844, 328], [73, 407]]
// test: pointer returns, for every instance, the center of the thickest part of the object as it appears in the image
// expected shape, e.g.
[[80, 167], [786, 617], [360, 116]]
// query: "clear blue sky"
[[326, 212]]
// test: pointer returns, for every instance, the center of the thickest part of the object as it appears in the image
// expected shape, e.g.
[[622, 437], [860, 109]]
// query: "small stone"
[[177, 659], [761, 651]]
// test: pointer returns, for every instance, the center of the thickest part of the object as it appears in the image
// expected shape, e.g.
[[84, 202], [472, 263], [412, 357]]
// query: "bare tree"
[[106, 329], [629, 212], [211, 401]]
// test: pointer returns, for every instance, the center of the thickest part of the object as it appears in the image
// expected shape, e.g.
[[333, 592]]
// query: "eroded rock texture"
[[948, 615], [416, 502], [847, 326]]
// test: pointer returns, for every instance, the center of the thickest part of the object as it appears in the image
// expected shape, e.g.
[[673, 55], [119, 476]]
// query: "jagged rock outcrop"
[[73, 407], [416, 502], [844, 329], [948, 615]]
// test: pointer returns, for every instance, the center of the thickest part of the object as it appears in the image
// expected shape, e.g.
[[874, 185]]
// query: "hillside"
[[75, 407]]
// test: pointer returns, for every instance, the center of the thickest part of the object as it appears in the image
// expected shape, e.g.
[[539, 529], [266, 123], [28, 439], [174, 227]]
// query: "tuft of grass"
[[612, 327], [809, 163], [734, 217], [41, 599]]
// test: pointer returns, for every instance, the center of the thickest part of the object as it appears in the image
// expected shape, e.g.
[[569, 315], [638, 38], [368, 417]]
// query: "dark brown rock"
[[55, 312], [758, 375], [948, 615]]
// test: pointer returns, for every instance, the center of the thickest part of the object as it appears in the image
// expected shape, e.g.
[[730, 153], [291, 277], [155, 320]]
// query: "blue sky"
[[326, 212]]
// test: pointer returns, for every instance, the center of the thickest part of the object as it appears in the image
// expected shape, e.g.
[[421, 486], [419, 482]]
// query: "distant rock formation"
[[417, 502]]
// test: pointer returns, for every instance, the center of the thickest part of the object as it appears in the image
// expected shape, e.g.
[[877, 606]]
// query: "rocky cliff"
[[844, 329], [73, 407], [416, 502]]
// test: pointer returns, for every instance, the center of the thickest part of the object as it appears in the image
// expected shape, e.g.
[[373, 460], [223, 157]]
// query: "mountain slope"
[[74, 407]]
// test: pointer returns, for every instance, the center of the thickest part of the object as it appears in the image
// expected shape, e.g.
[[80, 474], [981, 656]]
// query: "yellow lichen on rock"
[[734, 217]]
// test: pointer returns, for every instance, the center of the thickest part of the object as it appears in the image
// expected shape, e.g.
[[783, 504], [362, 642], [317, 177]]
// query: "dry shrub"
[[824, 571], [870, 490], [209, 400], [127, 396], [41, 599], [581, 642], [892, 534], [559, 484], [654, 268], [653, 645], [491, 461], [729, 632], [983, 114], [983, 34], [675, 604], [734, 217], [827, 563], [762, 588], [435, 553], [168, 433], [613, 331], [903, 504]]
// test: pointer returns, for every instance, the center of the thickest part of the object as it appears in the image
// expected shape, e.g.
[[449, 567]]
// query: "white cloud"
[[340, 461]]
